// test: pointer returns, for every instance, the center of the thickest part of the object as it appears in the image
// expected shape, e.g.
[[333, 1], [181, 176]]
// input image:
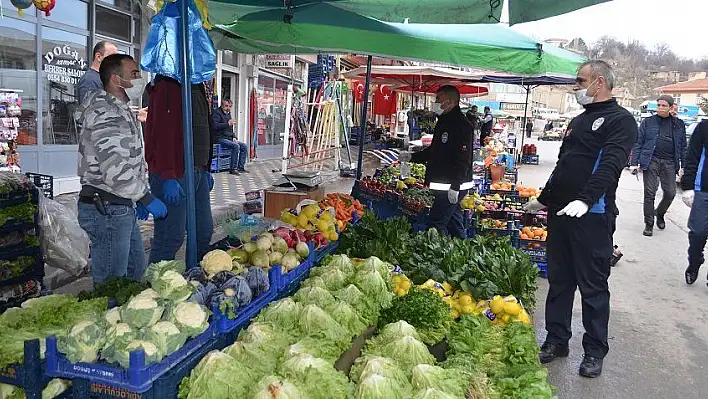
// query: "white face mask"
[[134, 93], [582, 95], [437, 108]]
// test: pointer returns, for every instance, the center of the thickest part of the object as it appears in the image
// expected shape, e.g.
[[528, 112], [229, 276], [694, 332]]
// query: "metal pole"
[[286, 135], [360, 161], [523, 128], [187, 129]]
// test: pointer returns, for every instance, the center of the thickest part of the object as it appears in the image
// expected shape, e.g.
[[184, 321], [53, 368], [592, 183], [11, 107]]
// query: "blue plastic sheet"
[[161, 54]]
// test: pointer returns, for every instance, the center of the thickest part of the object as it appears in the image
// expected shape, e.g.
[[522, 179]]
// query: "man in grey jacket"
[[660, 151]]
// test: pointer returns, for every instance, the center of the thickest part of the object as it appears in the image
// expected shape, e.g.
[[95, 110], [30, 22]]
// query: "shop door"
[[229, 90]]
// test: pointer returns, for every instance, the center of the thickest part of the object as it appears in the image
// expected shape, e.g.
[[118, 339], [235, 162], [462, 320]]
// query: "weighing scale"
[[293, 181]]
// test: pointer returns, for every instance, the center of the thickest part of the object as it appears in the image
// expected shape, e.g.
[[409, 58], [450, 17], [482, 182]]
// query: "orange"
[[526, 230]]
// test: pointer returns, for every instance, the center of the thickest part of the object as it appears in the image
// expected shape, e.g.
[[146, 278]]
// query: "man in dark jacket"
[[487, 125], [449, 162], [222, 123], [659, 152], [694, 182], [580, 197]]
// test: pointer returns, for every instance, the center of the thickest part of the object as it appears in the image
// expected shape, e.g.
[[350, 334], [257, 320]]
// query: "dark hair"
[[601, 68], [100, 47], [487, 109], [112, 65], [226, 100], [450, 91]]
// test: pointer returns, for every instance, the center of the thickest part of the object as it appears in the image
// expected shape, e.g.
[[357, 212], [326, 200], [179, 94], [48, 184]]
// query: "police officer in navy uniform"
[[449, 162], [580, 197]]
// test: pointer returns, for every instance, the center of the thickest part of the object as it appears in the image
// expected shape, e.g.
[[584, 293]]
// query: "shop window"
[[64, 59], [70, 12], [114, 24], [228, 57], [18, 79], [125, 5]]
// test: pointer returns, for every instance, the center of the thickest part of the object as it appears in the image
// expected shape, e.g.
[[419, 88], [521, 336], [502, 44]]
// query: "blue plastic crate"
[[322, 252], [137, 378], [542, 269], [35, 272], [530, 159], [536, 249], [225, 325], [30, 374]]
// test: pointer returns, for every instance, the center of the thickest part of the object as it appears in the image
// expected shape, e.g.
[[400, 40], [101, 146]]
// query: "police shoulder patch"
[[598, 122]]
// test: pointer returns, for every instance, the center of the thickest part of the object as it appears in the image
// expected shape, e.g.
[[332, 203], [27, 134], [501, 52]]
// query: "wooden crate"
[[275, 201]]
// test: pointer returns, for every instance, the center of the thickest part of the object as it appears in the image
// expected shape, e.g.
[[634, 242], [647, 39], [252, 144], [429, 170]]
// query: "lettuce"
[[316, 322], [393, 331], [334, 279], [324, 381], [368, 364], [274, 387], [217, 376], [432, 393], [327, 349], [376, 386], [343, 263], [407, 351], [347, 317], [451, 381], [259, 361], [266, 336], [313, 296], [283, 313], [375, 264], [367, 310], [375, 287], [315, 281]]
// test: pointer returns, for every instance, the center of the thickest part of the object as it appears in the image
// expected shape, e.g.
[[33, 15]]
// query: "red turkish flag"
[[384, 101], [358, 90]]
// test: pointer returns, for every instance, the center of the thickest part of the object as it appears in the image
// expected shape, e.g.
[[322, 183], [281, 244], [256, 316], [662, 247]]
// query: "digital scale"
[[294, 181]]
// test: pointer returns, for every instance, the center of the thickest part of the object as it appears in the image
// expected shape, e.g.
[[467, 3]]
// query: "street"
[[658, 335]]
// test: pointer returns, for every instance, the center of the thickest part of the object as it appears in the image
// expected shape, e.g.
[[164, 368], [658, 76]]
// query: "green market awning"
[[322, 27], [415, 11]]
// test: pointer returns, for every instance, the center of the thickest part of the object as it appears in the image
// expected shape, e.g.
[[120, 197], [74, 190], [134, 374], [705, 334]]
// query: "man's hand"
[[232, 122], [680, 172], [235, 140], [533, 206], [157, 208], [453, 196], [172, 191], [141, 213], [687, 198], [142, 114], [575, 209]]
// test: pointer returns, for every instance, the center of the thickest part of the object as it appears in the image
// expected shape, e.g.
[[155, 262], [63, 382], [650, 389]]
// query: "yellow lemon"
[[399, 292], [468, 309], [448, 288], [506, 318], [465, 300], [497, 305], [454, 313], [302, 221], [326, 216], [512, 308], [405, 284], [332, 236]]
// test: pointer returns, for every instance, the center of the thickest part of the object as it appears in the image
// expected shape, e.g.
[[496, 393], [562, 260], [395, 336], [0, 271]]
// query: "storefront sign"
[[64, 65], [279, 61], [511, 107]]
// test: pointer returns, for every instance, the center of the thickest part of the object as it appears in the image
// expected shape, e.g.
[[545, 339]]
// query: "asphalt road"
[[658, 335]]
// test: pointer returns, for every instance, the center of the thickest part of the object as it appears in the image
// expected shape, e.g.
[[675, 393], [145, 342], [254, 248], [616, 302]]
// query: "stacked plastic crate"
[[220, 159], [21, 266], [318, 73]]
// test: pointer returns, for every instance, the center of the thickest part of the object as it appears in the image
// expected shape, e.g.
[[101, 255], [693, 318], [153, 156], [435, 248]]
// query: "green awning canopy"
[[415, 11], [322, 27]]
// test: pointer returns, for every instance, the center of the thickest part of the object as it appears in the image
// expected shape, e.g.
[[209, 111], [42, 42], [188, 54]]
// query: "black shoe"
[[591, 367], [660, 222], [243, 171], [691, 276], [549, 352], [648, 230], [234, 172]]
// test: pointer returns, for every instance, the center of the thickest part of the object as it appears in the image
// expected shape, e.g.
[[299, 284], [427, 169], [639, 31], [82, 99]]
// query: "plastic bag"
[[65, 245]]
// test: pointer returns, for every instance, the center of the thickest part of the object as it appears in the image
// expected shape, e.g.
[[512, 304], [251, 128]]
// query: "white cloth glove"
[[404, 156], [633, 168], [575, 209], [453, 196], [680, 172], [533, 206], [687, 198]]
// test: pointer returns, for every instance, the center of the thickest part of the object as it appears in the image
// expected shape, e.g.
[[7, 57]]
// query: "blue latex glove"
[[210, 180], [141, 213], [172, 191], [157, 208]]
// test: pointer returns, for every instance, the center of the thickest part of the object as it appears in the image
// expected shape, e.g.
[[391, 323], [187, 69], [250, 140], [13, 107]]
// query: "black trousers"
[[447, 218], [660, 172], [579, 251], [697, 231]]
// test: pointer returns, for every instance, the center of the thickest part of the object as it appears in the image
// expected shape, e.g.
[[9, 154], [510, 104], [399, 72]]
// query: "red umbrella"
[[465, 89]]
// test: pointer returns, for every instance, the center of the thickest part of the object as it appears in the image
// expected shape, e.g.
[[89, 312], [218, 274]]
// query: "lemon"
[[405, 284], [448, 288], [323, 225], [524, 318], [326, 216], [497, 305], [302, 221], [399, 292], [512, 308], [310, 210], [454, 313], [506, 318], [466, 300], [333, 236], [430, 283], [468, 309]]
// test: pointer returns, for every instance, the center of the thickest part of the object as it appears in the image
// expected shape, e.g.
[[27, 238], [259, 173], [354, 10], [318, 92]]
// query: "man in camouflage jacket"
[[113, 173]]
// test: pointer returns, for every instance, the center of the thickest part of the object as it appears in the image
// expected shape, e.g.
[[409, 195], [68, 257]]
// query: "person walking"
[[91, 80], [529, 129], [694, 183], [113, 173], [487, 124], [222, 123], [579, 197], [659, 151], [449, 163]]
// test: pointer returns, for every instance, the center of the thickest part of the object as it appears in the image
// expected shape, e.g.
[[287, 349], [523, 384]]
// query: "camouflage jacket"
[[111, 152]]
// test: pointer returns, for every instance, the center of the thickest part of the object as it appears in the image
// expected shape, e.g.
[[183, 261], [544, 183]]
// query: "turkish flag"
[[384, 101], [358, 90]]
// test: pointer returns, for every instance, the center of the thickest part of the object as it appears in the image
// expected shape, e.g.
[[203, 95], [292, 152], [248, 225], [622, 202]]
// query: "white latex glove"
[[533, 206], [680, 172], [687, 198], [453, 196], [404, 156], [575, 209], [633, 168]]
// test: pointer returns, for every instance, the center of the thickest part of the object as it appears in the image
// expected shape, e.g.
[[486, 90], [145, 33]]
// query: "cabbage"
[[283, 313], [203, 293], [141, 311], [407, 351], [152, 352], [432, 393], [113, 316], [257, 280], [118, 336], [319, 375], [234, 296], [190, 318], [172, 286], [334, 279], [393, 331], [259, 361], [343, 263], [155, 270], [216, 261], [357, 300], [376, 386], [83, 342], [347, 317], [451, 381], [313, 296], [368, 364], [167, 337], [195, 274], [54, 388], [221, 277], [375, 287], [217, 376], [327, 349], [274, 387], [266, 336], [316, 322]]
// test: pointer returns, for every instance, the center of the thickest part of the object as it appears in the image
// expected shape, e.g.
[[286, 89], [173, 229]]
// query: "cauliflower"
[[141, 312], [216, 261], [171, 285], [190, 318]]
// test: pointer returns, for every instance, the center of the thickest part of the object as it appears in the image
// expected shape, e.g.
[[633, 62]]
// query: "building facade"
[[693, 92]]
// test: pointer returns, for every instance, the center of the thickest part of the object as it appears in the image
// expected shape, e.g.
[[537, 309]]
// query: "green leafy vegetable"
[[424, 310], [119, 288]]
